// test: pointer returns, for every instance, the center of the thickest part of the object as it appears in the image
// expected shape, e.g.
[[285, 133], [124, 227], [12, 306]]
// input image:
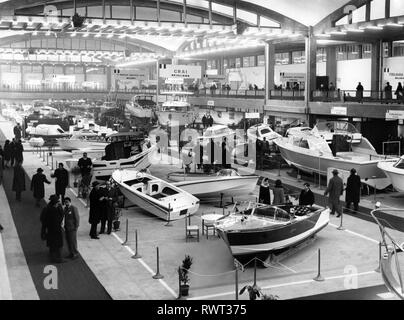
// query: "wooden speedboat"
[[154, 195], [226, 182], [265, 229]]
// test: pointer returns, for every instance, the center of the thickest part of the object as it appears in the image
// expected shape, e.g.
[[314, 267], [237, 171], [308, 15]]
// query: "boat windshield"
[[227, 173], [336, 126], [272, 212], [399, 164], [319, 144], [265, 131]]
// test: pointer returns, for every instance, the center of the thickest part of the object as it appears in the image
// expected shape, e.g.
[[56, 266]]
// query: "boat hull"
[[139, 112], [214, 188], [103, 169], [77, 144], [309, 161], [173, 118], [395, 174], [269, 240]]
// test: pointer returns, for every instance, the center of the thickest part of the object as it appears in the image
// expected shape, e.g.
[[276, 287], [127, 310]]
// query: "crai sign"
[[180, 71]]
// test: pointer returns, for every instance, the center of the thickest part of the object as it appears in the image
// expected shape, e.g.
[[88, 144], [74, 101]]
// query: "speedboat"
[[177, 111], [261, 131], [265, 229], [82, 139], [394, 169], [125, 150], [314, 153], [141, 106], [47, 131], [222, 116], [226, 182], [154, 195]]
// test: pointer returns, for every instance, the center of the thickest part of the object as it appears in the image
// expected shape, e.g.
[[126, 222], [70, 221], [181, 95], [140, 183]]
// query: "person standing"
[[399, 93], [353, 190], [18, 151], [210, 120], [306, 197], [108, 208], [72, 222], [2, 157], [1, 168], [12, 152], [62, 181], [37, 185], [204, 121], [264, 194], [95, 209], [388, 92], [18, 181], [85, 165], [17, 131], [279, 193], [7, 154], [359, 92], [52, 232], [334, 190]]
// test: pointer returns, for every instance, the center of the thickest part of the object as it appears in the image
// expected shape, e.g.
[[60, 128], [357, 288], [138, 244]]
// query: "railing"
[[286, 94], [224, 93], [354, 96]]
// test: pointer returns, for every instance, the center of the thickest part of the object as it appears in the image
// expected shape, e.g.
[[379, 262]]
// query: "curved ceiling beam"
[[329, 21]]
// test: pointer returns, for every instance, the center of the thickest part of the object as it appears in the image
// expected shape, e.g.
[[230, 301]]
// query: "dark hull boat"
[[268, 229]]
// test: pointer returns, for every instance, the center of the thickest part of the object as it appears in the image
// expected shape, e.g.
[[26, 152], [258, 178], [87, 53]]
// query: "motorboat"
[[298, 131], [394, 169], [265, 229], [47, 131], [141, 106], [154, 195], [328, 129], [313, 153], [222, 116], [226, 182], [261, 131], [36, 142], [125, 150], [82, 139], [217, 131], [176, 111]]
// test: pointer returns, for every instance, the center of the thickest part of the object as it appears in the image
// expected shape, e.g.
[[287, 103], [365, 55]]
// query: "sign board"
[[130, 75], [174, 81], [211, 72], [292, 77], [342, 111], [180, 71], [211, 103], [395, 114], [343, 174], [252, 115], [63, 78]]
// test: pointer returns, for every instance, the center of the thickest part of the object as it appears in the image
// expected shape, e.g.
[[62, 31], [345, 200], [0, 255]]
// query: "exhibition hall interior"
[[204, 150]]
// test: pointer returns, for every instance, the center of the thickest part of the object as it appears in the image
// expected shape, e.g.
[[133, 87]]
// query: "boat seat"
[[139, 187], [153, 187]]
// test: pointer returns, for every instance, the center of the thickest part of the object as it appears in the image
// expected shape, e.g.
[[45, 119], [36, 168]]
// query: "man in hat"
[[96, 204], [334, 190], [353, 190], [37, 185], [62, 181], [72, 222], [306, 197]]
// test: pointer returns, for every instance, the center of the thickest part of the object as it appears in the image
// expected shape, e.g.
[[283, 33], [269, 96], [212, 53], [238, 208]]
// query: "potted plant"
[[183, 275], [78, 20], [75, 171]]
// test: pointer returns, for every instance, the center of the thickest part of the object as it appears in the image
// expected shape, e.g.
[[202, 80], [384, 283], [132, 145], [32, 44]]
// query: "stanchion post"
[[255, 271], [236, 283], [158, 275], [340, 225], [380, 257], [168, 224], [319, 277], [279, 167], [136, 255], [52, 159], [126, 237], [43, 156], [47, 158]]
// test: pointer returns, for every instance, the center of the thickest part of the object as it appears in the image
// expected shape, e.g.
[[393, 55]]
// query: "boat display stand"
[[273, 258]]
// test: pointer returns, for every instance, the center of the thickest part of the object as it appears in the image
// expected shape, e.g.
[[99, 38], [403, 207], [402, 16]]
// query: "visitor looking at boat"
[[353, 190], [85, 165], [334, 190], [264, 194], [306, 197], [279, 193]]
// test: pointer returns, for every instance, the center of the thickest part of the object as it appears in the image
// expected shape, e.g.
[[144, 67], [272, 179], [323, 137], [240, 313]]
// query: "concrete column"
[[311, 66], [269, 69], [85, 72], [109, 77], [376, 67], [331, 65], [21, 76]]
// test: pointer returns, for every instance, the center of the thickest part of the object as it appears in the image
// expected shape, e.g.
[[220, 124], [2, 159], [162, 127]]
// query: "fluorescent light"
[[35, 33], [355, 30], [338, 32], [86, 35], [325, 35], [392, 24], [73, 34], [374, 27], [110, 35], [97, 35]]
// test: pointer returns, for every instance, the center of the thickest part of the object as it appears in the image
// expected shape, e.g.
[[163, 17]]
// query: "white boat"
[[47, 131], [226, 182], [394, 169], [36, 142], [264, 229], [221, 116], [312, 153], [141, 106], [154, 195], [261, 131], [82, 139], [125, 150], [177, 111], [217, 131]]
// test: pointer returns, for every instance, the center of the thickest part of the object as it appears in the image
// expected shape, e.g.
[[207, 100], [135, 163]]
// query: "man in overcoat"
[[37, 185], [335, 189], [62, 181], [353, 190], [72, 222], [18, 181], [96, 199]]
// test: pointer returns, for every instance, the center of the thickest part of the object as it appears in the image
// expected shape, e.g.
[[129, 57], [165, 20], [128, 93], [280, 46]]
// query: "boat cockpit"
[[123, 145], [153, 188]]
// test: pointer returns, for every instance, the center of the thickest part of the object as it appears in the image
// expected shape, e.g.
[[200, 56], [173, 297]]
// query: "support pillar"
[[109, 76], [21, 76], [269, 69], [331, 65], [376, 68], [311, 68]]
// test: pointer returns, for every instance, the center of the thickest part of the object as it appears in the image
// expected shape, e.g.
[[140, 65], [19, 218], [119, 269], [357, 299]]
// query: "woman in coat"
[[18, 181], [7, 153], [264, 195], [37, 185], [279, 194], [96, 208], [353, 190], [51, 219]]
